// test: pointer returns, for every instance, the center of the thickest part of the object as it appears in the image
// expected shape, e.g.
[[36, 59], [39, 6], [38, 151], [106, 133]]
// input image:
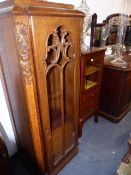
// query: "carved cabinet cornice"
[[40, 59]]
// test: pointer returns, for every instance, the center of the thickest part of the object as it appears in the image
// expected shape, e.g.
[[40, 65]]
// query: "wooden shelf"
[[91, 69], [90, 84]]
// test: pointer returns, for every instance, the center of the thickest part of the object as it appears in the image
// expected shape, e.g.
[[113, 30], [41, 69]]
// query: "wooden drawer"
[[89, 101], [89, 107], [90, 95], [96, 61], [85, 111]]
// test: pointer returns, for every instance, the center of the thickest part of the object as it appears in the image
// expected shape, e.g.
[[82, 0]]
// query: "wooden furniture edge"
[[111, 117], [28, 77]]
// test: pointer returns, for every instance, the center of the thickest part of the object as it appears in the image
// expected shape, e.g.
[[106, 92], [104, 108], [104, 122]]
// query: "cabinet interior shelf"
[[90, 84], [91, 69]]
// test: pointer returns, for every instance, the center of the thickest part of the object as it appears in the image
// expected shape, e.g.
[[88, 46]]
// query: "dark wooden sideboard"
[[115, 99]]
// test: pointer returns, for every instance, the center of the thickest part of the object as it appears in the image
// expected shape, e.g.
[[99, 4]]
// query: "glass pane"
[[54, 98], [92, 77], [69, 105]]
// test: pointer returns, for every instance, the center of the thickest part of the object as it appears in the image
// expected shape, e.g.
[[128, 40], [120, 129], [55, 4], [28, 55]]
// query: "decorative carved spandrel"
[[22, 42], [59, 47]]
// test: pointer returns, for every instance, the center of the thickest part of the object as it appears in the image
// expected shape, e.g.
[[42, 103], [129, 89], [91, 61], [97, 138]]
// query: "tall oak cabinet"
[[39, 53]]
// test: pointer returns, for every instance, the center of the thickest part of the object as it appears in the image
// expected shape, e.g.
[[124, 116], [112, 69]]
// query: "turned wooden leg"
[[126, 158], [80, 128], [96, 116]]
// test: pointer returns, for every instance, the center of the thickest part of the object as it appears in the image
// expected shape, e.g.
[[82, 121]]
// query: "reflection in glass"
[[69, 105], [54, 99], [118, 61], [61, 93], [92, 73], [106, 32], [86, 24]]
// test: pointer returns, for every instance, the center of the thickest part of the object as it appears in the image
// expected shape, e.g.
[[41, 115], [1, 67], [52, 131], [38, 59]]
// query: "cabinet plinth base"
[[65, 161], [115, 119]]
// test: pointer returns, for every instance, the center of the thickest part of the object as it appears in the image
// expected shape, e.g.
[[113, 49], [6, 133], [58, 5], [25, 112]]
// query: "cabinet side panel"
[[110, 93], [25, 57], [14, 85], [124, 99]]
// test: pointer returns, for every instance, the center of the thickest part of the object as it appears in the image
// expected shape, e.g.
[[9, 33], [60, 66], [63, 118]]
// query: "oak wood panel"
[[25, 58], [14, 83], [39, 38], [17, 94]]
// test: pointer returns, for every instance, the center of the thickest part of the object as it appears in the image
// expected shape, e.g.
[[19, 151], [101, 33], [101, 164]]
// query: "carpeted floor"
[[101, 148]]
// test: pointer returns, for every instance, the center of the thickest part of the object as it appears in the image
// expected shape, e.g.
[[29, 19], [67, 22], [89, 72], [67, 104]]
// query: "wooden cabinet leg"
[[96, 116], [80, 128]]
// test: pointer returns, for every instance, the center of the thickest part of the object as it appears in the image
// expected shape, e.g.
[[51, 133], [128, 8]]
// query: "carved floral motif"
[[21, 33]]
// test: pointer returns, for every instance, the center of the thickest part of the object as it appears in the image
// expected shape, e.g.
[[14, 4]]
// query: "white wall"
[[6, 129], [103, 8]]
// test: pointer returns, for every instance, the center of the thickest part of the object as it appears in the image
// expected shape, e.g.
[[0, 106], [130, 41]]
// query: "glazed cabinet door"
[[56, 60]]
